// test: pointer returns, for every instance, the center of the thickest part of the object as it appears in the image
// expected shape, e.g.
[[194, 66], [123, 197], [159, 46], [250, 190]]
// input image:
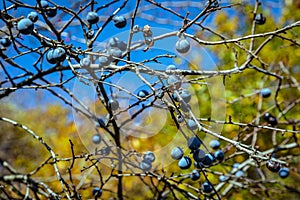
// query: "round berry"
[[240, 173], [219, 155], [273, 166], [214, 144], [284, 172], [59, 54], [208, 159], [113, 104], [223, 178], [199, 155], [270, 119], [174, 81], [105, 151], [145, 165], [171, 67], [120, 21], [260, 19], [97, 192], [175, 97], [50, 57], [191, 124], [185, 162], [97, 139], [194, 143], [44, 4], [92, 17], [176, 153], [149, 156], [195, 175], [85, 62], [179, 118], [142, 93], [103, 61], [25, 26], [185, 95], [51, 12], [90, 34], [266, 92], [115, 52], [182, 45], [5, 42], [33, 16], [115, 42], [207, 187], [236, 165], [185, 107]]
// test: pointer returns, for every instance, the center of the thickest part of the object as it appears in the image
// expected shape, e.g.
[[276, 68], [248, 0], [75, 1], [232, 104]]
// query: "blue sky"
[[73, 35]]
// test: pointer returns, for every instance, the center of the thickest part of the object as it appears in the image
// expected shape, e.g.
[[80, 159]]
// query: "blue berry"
[[191, 124], [50, 57], [175, 97], [236, 165], [195, 175], [44, 4], [33, 16], [25, 26], [208, 159], [270, 119], [120, 21], [90, 34], [182, 45], [185, 108], [145, 165], [219, 155], [85, 62], [97, 139], [185, 162], [260, 19], [199, 155], [171, 67], [5, 42], [214, 4], [284, 172], [185, 95], [194, 143], [207, 187], [273, 166], [149, 156], [115, 52], [214, 144], [105, 151], [92, 17], [115, 42], [59, 54], [142, 93], [97, 192], [113, 104], [240, 173], [176, 153], [174, 81], [223, 178], [179, 118], [266, 92], [51, 12], [103, 61]]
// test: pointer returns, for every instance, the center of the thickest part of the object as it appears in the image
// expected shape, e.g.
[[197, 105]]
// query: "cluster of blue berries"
[[148, 159], [201, 159]]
